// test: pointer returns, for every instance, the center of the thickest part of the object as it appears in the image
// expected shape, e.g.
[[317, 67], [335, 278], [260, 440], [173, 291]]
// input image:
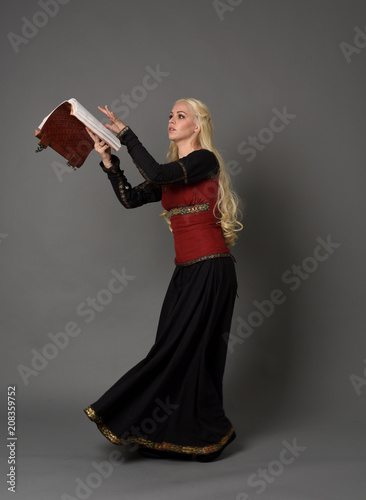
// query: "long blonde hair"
[[228, 202]]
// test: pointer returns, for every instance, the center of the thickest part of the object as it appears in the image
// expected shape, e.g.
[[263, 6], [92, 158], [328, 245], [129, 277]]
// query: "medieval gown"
[[171, 402]]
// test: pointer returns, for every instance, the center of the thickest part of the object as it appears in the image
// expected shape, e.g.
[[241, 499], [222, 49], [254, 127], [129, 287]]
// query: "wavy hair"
[[228, 202]]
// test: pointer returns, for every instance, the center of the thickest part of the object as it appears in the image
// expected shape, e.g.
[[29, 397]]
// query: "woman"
[[171, 403]]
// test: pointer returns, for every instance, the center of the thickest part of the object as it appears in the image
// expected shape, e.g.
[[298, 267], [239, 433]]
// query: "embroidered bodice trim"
[[190, 209]]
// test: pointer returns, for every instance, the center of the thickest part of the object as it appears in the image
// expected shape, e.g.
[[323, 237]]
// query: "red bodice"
[[197, 232]]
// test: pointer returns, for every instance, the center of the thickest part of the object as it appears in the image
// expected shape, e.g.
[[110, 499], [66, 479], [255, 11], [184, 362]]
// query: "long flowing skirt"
[[172, 400]]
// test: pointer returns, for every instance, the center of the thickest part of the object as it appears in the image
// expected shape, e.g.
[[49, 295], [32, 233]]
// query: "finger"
[[102, 110], [109, 111], [102, 142], [109, 114], [112, 117], [93, 136], [104, 149]]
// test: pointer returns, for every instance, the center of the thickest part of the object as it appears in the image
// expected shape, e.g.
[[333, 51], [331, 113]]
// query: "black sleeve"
[[196, 166], [130, 197]]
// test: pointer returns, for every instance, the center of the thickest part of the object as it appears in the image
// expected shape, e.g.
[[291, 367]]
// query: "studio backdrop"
[[83, 279]]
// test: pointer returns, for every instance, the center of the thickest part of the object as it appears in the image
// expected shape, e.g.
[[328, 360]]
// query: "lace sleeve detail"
[[130, 197]]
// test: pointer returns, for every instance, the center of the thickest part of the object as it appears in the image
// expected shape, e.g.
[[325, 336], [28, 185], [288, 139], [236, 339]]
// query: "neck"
[[185, 148]]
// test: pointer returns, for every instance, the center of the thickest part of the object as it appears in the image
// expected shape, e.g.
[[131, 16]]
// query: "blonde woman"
[[170, 404]]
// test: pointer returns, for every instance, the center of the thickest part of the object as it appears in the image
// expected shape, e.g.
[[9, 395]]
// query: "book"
[[63, 130]]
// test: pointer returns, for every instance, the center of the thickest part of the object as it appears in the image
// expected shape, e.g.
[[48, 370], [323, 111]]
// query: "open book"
[[64, 131]]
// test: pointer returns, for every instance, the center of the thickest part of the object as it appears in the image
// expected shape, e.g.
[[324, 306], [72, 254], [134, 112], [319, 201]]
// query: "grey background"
[[61, 236]]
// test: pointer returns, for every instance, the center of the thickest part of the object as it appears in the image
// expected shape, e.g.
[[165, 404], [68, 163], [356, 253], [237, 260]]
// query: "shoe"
[[208, 458], [148, 452], [151, 453]]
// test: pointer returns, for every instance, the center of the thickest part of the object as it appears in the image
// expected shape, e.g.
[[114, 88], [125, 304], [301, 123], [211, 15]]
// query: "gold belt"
[[190, 209], [205, 257]]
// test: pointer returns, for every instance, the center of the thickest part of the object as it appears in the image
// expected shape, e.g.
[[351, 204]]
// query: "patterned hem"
[[163, 446], [205, 257]]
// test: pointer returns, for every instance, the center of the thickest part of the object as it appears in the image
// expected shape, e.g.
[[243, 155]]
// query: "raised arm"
[[130, 197], [196, 166]]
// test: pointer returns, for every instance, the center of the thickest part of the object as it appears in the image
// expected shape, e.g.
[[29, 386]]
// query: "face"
[[181, 123]]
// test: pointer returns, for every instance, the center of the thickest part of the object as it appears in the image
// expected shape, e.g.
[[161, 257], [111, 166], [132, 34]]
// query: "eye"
[[181, 116]]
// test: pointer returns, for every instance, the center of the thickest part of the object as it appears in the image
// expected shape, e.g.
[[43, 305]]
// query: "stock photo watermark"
[[358, 381], [103, 470], [233, 167], [359, 40], [31, 27], [11, 444], [60, 169], [3, 236], [222, 7], [266, 135], [260, 479], [293, 277], [87, 310], [122, 106]]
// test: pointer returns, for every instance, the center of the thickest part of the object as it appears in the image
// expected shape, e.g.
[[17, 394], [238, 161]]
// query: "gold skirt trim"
[[196, 450]]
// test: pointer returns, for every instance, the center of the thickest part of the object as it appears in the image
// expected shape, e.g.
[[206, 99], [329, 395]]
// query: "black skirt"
[[172, 400]]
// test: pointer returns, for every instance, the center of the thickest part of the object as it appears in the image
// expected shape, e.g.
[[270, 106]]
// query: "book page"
[[94, 124]]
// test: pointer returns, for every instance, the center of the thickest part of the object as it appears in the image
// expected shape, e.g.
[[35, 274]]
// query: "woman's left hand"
[[117, 125], [100, 146]]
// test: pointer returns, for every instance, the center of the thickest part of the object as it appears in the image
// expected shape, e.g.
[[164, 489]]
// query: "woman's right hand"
[[116, 124], [102, 148]]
